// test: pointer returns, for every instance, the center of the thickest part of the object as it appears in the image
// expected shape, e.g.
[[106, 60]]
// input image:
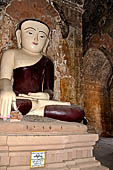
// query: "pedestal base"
[[68, 146]]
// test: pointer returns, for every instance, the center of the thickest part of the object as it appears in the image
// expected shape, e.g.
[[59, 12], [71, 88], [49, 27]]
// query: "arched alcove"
[[97, 72]]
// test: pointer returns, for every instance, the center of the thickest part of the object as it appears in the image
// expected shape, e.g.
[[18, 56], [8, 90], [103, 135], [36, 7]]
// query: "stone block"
[[19, 160], [19, 168], [4, 154], [61, 156], [84, 152], [84, 137], [70, 163], [3, 148], [3, 168], [25, 127], [55, 165], [89, 164], [85, 160], [37, 140], [3, 140], [20, 154], [57, 156], [73, 168], [49, 147], [35, 147], [79, 144], [69, 154], [4, 160], [50, 158]]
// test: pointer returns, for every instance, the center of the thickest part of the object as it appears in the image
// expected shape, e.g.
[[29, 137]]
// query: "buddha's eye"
[[30, 33], [42, 36]]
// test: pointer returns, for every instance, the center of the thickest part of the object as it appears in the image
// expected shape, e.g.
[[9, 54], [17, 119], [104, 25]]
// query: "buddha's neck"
[[31, 53]]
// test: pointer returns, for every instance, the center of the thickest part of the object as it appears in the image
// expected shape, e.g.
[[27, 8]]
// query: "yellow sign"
[[38, 159]]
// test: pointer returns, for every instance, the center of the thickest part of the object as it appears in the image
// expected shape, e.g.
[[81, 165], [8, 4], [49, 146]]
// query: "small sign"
[[37, 159]]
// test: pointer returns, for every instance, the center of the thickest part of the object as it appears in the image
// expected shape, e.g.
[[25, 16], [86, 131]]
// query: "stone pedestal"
[[68, 146]]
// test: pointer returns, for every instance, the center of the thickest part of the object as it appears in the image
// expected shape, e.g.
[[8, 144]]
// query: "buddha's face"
[[34, 36]]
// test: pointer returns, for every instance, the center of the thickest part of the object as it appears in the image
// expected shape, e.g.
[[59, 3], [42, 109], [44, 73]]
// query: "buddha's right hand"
[[7, 98]]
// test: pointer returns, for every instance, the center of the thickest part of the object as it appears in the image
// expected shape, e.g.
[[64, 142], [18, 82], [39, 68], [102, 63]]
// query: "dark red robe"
[[40, 78]]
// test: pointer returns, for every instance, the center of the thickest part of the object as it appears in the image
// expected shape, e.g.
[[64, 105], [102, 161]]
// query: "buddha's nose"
[[36, 37]]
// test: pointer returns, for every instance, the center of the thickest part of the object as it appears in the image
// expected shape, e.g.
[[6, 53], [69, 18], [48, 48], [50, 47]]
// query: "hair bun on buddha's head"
[[30, 19]]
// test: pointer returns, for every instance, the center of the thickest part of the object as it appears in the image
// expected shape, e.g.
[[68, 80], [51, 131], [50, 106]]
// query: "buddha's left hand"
[[39, 95]]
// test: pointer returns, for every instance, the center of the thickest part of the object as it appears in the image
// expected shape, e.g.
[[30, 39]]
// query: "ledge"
[[41, 126]]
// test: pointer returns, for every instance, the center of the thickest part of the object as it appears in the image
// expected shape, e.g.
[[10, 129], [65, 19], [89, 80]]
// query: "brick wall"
[[98, 83]]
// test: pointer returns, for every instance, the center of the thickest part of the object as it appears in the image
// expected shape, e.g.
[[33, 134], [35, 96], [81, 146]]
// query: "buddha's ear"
[[46, 45], [18, 37]]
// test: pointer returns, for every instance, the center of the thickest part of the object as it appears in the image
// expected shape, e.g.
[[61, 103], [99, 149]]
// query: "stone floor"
[[103, 151]]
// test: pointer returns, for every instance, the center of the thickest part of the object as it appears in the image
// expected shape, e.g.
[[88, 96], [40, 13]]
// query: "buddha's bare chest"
[[25, 60]]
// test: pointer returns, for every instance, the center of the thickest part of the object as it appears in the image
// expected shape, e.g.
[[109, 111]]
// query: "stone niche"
[[65, 53], [98, 84]]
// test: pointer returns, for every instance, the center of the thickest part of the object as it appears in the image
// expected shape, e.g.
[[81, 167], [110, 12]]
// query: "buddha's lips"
[[35, 43]]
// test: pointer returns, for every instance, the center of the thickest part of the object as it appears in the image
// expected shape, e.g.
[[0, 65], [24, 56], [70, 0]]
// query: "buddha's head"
[[33, 35]]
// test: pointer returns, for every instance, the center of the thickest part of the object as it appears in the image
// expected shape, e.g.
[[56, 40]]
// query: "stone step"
[[84, 160], [89, 164], [63, 168], [96, 168]]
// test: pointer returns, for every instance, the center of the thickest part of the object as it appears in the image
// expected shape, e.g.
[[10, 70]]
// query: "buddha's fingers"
[[5, 109], [9, 108], [2, 108], [14, 103]]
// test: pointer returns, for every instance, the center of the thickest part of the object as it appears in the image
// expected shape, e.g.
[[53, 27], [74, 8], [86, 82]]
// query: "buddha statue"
[[27, 77]]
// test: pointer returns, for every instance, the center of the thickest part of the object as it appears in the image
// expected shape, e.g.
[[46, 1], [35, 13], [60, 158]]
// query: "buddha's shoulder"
[[10, 52]]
